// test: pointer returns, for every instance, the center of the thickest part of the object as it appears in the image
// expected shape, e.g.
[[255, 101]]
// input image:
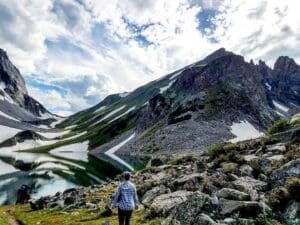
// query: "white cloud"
[[137, 41]]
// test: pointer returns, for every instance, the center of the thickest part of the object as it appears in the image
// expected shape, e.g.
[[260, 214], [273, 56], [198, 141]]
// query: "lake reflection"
[[48, 174]]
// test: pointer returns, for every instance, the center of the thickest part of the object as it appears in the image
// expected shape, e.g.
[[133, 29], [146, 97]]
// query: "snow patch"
[[124, 94], [7, 132], [58, 121], [70, 127], [100, 109], [6, 96], [78, 151], [280, 114], [244, 130], [163, 89], [268, 86], [111, 152], [280, 106], [75, 136], [52, 165], [7, 116], [175, 75], [123, 114], [110, 114], [6, 168]]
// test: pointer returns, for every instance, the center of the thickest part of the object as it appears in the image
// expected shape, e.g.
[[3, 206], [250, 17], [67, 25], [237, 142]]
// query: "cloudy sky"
[[73, 53]]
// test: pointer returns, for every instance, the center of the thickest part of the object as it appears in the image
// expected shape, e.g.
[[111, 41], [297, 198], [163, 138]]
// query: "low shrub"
[[266, 219], [293, 187], [215, 149], [279, 198], [279, 126], [183, 160]]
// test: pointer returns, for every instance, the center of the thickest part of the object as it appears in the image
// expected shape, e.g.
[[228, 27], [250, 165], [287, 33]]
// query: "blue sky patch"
[[205, 19]]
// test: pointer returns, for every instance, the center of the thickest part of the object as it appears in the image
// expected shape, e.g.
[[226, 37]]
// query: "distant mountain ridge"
[[215, 99]]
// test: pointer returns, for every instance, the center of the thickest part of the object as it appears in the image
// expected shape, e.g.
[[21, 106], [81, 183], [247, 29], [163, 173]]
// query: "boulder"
[[262, 163], [246, 170], [245, 209], [179, 205], [292, 213], [204, 219], [200, 166], [275, 158], [290, 169], [153, 193], [233, 194], [229, 167], [276, 148], [156, 162], [191, 182], [248, 183]]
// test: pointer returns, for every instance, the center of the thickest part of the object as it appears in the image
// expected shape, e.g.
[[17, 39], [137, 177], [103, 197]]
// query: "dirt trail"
[[11, 219]]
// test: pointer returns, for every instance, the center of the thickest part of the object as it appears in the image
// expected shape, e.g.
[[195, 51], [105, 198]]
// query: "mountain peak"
[[221, 52], [3, 53], [284, 62], [14, 87]]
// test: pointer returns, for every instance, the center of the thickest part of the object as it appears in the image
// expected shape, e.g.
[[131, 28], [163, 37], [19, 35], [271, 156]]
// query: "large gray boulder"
[[276, 148], [233, 194], [246, 170], [248, 183], [191, 182], [181, 206], [245, 209], [292, 213], [290, 169], [153, 193]]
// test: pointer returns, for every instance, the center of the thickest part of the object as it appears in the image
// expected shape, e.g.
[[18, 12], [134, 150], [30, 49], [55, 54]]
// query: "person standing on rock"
[[125, 199]]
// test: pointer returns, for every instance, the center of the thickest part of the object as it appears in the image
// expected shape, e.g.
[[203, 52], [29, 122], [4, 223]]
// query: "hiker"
[[125, 199], [23, 194]]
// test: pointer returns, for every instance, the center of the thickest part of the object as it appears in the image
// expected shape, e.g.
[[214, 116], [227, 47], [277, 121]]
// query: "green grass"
[[26, 216]]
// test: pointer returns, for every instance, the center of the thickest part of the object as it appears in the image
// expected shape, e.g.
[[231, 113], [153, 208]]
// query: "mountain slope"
[[17, 108], [217, 98]]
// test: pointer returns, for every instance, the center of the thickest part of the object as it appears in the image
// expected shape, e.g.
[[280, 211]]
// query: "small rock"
[[204, 219]]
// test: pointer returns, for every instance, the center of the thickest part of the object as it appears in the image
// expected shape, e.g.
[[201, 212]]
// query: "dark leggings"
[[124, 216]]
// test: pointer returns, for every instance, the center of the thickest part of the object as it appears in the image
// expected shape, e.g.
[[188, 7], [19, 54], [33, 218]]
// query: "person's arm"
[[115, 199]]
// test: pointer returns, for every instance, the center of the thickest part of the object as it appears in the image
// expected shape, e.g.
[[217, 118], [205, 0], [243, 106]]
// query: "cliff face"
[[13, 87], [286, 79]]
